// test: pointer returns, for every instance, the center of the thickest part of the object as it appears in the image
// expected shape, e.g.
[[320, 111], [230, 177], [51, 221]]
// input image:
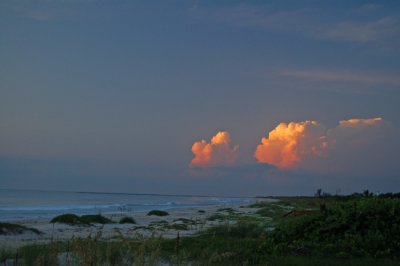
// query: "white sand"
[[108, 231]]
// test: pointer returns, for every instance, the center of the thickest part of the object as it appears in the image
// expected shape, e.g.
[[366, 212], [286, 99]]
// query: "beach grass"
[[95, 219], [68, 218], [127, 220], [73, 219], [157, 213], [355, 231], [12, 229]]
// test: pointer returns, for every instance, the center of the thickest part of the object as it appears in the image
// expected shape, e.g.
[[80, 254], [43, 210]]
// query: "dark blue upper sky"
[[110, 95]]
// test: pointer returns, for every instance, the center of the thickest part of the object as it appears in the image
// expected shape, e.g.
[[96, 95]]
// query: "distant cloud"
[[330, 75], [219, 152], [308, 22], [356, 132], [244, 15], [289, 144], [356, 31]]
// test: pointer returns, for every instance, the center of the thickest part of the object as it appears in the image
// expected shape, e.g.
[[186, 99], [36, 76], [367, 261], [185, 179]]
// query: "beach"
[[185, 221]]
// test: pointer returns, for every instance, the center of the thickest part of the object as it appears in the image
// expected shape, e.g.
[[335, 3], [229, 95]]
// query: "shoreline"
[[186, 221]]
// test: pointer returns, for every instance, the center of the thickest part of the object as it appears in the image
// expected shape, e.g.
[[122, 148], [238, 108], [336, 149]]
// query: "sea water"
[[31, 204]]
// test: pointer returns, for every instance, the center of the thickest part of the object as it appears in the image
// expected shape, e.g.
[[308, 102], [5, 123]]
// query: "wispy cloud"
[[355, 31], [341, 76], [46, 10], [308, 22], [249, 16]]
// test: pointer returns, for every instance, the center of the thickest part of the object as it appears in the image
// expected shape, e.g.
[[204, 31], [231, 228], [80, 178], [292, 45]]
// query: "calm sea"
[[30, 204]]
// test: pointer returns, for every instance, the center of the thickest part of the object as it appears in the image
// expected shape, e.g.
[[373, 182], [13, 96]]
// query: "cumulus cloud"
[[288, 145], [219, 152], [356, 132]]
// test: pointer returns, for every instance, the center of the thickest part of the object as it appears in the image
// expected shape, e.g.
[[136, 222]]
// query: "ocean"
[[31, 204]]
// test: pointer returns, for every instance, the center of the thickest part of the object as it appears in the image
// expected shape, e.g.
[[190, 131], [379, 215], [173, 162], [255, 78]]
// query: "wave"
[[59, 208]]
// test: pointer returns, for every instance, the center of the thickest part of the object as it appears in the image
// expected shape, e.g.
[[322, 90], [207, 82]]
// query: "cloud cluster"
[[218, 152], [289, 144]]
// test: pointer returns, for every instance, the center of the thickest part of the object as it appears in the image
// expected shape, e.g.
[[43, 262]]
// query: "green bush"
[[95, 219], [358, 227], [69, 218], [157, 213], [127, 220], [73, 219], [12, 229]]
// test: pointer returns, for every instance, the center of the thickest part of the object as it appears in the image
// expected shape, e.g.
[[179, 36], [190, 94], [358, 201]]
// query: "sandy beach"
[[162, 226]]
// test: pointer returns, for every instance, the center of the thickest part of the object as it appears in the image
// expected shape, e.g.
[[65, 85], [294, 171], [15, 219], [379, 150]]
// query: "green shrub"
[[358, 227], [95, 219], [157, 213], [12, 229], [71, 219], [127, 220]]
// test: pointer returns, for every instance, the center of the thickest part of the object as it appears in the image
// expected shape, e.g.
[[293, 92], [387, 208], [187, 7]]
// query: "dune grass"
[[69, 218], [353, 232], [73, 219], [127, 220], [13, 229], [95, 219], [157, 213]]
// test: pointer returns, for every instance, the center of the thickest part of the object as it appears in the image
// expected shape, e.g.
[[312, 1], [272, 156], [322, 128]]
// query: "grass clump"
[[216, 217], [13, 229], [180, 227], [95, 219], [69, 218], [157, 213], [159, 224], [73, 219], [226, 210], [127, 220]]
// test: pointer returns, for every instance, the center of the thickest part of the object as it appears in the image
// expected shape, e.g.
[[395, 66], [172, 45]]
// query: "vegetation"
[[95, 219], [353, 230], [158, 213], [73, 219], [127, 220], [69, 218], [12, 229]]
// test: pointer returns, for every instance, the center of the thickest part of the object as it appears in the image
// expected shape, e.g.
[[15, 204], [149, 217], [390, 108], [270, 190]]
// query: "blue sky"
[[111, 95]]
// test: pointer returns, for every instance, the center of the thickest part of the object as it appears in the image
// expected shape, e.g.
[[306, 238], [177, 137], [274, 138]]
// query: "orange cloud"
[[217, 152], [288, 144]]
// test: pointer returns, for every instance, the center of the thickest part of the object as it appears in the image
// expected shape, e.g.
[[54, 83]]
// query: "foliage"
[[362, 227], [127, 220], [69, 218], [158, 213], [95, 219], [73, 219], [11, 229], [347, 231]]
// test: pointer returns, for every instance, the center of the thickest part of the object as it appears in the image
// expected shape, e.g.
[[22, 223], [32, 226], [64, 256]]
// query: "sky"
[[238, 98]]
